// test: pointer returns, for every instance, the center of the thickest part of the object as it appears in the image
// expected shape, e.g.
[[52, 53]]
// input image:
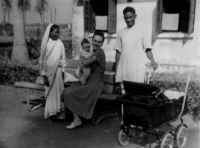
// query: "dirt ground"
[[20, 128]]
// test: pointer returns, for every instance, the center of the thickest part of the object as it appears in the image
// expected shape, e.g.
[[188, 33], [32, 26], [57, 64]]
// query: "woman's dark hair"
[[129, 9], [85, 41], [54, 26], [100, 33]]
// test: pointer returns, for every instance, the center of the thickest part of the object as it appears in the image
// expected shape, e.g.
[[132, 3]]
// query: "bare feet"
[[49, 121], [60, 116]]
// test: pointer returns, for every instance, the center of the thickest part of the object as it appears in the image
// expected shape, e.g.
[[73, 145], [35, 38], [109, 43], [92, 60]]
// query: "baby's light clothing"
[[85, 73], [86, 55]]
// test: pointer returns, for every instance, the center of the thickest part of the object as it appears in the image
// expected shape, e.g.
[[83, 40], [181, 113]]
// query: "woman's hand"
[[63, 75], [42, 69], [63, 63], [81, 68], [46, 81], [83, 81]]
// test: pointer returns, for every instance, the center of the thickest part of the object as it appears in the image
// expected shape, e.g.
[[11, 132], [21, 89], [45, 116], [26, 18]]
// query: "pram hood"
[[146, 105], [140, 88], [142, 94]]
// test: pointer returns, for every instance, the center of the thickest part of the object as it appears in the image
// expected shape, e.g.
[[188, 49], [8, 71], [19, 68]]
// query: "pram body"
[[145, 108]]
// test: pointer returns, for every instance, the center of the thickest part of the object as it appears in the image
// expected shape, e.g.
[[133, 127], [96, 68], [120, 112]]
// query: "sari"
[[51, 60]]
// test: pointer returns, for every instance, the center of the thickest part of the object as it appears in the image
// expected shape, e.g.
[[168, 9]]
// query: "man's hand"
[[154, 64], [150, 57], [83, 81]]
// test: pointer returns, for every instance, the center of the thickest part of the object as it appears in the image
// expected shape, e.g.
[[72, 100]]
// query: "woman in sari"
[[81, 99], [52, 59]]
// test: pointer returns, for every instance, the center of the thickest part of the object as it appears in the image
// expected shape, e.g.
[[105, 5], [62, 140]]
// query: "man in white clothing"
[[132, 46]]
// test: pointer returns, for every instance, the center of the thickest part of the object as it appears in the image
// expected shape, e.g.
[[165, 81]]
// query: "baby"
[[86, 54]]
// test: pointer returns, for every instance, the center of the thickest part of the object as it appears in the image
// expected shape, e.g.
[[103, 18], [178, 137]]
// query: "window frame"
[[160, 13], [89, 22]]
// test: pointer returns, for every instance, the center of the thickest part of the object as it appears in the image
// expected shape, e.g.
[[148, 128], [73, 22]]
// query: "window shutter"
[[159, 16], [192, 16], [112, 16], [88, 16]]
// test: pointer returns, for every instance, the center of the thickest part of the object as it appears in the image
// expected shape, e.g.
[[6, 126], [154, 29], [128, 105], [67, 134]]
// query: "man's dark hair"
[[128, 9], [85, 41], [100, 33]]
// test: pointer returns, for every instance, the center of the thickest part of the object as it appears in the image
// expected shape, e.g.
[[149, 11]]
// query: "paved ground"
[[20, 128]]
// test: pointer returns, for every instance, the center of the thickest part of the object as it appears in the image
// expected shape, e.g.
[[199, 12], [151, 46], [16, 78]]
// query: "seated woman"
[[82, 99]]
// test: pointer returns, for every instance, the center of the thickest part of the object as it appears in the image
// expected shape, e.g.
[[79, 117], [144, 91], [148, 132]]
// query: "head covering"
[[44, 43]]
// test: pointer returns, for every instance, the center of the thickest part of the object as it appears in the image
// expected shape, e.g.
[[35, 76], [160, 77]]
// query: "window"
[[175, 16], [100, 15]]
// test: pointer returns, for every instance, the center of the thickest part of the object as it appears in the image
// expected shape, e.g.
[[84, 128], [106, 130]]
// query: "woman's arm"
[[88, 62], [63, 60], [87, 55]]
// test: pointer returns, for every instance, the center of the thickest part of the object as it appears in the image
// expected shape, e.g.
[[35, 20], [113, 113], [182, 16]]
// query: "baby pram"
[[145, 108]]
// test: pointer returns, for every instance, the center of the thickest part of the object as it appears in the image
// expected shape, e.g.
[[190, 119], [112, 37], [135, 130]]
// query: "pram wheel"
[[167, 141], [181, 136], [124, 136]]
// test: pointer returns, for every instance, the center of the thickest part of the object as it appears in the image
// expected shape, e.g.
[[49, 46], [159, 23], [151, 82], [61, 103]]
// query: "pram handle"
[[160, 92], [186, 89]]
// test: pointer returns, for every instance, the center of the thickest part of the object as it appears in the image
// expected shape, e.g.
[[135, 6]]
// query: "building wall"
[[144, 18], [168, 48], [77, 26], [176, 49]]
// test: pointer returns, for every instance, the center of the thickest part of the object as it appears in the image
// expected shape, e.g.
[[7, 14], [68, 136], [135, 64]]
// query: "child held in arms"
[[84, 72]]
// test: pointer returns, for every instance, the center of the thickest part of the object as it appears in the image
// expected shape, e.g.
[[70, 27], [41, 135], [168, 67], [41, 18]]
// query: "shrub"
[[68, 48], [10, 73], [177, 82], [33, 47], [8, 29], [6, 50]]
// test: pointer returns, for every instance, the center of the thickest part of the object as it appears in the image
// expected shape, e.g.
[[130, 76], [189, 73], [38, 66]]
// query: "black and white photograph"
[[99, 73]]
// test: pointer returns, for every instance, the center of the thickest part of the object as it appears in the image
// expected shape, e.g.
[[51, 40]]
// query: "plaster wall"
[[77, 26], [180, 48], [168, 48]]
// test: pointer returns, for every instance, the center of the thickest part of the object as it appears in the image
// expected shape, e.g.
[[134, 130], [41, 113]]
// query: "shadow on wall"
[[185, 39], [137, 1], [80, 3], [109, 38], [76, 47], [154, 33], [171, 68]]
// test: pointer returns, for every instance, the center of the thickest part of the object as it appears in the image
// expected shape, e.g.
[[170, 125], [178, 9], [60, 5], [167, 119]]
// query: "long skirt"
[[54, 105], [82, 99]]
